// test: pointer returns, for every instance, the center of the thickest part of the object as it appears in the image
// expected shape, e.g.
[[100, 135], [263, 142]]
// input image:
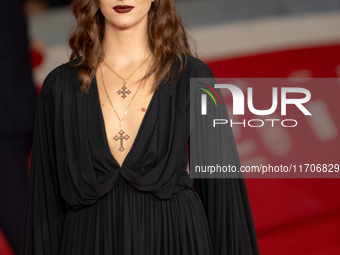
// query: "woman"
[[108, 172]]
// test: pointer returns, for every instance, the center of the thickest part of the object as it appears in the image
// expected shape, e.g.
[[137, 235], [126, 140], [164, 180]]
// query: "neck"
[[124, 47]]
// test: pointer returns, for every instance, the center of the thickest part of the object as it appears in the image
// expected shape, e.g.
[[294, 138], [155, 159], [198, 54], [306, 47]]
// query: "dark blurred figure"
[[17, 107]]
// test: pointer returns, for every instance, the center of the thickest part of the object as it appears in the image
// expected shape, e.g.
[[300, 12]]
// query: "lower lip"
[[123, 10]]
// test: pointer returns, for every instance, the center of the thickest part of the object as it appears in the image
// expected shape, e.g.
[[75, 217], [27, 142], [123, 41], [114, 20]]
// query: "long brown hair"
[[168, 41]]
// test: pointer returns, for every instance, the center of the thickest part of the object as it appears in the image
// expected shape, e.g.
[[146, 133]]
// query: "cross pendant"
[[124, 91], [121, 136]]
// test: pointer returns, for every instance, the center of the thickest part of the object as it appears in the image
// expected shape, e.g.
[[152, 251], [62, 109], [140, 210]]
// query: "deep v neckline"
[[102, 122]]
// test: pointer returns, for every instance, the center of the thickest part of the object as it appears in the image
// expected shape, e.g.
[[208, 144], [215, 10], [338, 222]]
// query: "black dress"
[[81, 202]]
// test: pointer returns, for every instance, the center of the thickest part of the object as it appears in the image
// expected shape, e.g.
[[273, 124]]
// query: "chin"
[[125, 23], [122, 23]]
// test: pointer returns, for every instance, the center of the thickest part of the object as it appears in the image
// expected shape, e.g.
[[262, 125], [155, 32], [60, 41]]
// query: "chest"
[[124, 108]]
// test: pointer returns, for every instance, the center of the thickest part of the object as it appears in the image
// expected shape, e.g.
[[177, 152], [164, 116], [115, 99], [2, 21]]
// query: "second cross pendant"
[[120, 137]]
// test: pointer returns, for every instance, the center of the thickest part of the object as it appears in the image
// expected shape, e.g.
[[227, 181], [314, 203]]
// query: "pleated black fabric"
[[81, 202]]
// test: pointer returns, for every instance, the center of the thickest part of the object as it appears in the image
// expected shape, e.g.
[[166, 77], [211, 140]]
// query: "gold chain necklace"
[[124, 92], [121, 134]]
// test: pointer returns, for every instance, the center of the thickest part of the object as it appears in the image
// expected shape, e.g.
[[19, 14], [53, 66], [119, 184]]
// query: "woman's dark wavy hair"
[[168, 41]]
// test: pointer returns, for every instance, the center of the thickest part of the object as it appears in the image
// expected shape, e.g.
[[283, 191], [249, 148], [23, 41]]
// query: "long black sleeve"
[[225, 199], [45, 208]]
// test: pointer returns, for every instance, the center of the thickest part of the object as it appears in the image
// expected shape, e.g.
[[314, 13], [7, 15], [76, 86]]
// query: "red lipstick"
[[123, 8]]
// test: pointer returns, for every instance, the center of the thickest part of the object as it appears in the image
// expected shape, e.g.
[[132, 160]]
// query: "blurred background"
[[247, 39]]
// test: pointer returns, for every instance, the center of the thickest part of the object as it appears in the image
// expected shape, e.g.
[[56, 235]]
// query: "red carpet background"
[[292, 216]]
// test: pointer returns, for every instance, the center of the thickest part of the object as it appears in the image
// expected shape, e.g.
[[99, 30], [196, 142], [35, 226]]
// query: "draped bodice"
[[156, 162]]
